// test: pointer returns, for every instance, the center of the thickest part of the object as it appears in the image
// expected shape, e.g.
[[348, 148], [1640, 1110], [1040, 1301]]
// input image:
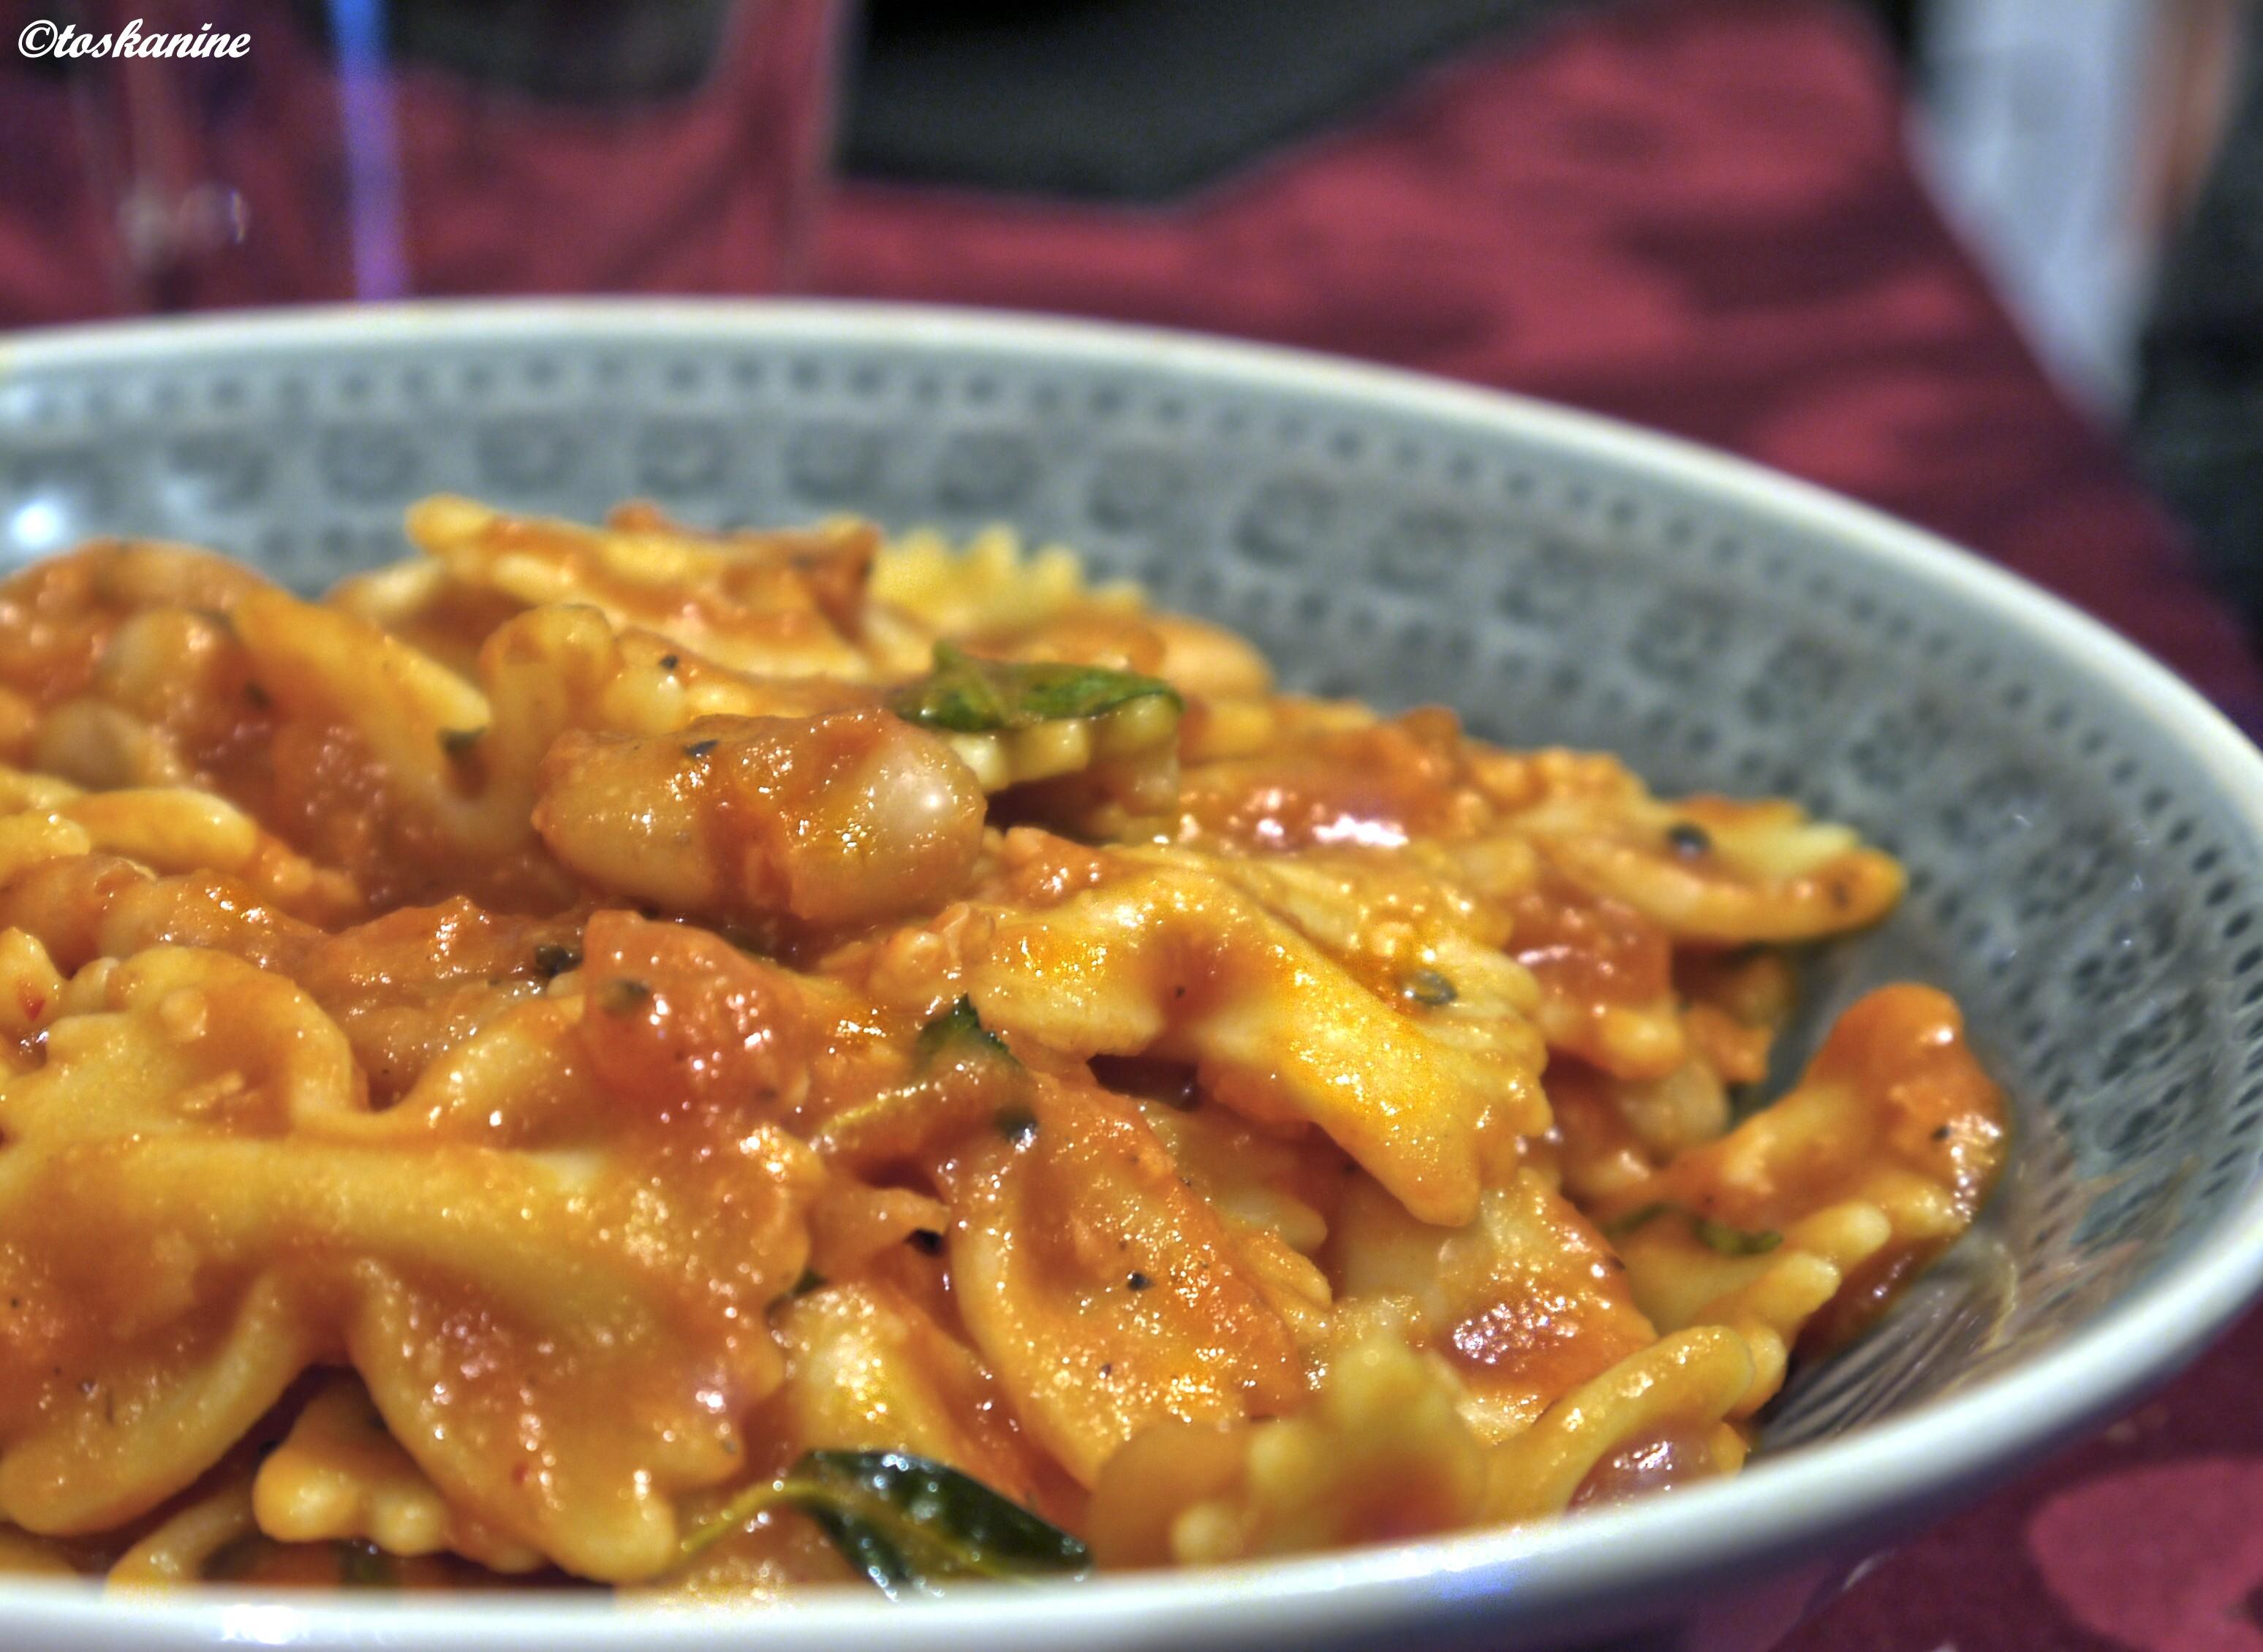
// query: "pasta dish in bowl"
[[718, 1062], [643, 1086]]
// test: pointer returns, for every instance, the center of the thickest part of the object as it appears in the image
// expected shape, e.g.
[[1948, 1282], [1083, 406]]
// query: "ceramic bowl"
[[2084, 835]]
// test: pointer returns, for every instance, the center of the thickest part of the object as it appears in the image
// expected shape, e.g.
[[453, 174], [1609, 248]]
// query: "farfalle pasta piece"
[[1708, 870], [781, 603], [349, 1231], [1100, 1290], [1672, 1398], [173, 829], [339, 1476], [1171, 962], [1765, 1285], [868, 1369], [403, 987], [1605, 974], [1524, 1304], [1382, 1455], [834, 820], [58, 617], [186, 1547], [1867, 1169], [990, 587]]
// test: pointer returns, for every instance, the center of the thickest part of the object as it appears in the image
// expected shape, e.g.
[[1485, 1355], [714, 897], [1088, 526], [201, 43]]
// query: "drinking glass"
[[391, 149]]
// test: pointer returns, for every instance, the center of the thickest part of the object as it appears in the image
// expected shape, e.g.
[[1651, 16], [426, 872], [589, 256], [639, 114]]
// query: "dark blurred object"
[[2198, 420], [384, 148], [1146, 99], [560, 51], [1130, 99], [1903, 21]]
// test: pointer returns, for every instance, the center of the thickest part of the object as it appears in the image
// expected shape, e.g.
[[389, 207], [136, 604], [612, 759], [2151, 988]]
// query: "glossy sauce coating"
[[499, 1066]]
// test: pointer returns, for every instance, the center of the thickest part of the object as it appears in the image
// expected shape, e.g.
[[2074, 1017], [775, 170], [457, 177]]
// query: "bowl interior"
[[2087, 890]]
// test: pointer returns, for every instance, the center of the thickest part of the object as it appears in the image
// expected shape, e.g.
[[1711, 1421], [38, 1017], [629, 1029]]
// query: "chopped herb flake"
[[959, 1035], [554, 960], [1688, 838], [458, 742], [962, 695], [365, 1566], [1619, 1227], [1017, 1125], [1719, 1236], [623, 995], [1428, 986], [699, 749], [1715, 1235]]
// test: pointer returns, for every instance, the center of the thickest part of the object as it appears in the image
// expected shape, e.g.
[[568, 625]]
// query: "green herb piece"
[[1689, 839], [699, 751], [1719, 1236], [1017, 1125], [811, 1279], [1618, 1227], [907, 1523], [959, 1033], [962, 695], [1428, 986], [458, 742], [623, 995], [365, 1566], [961, 1070], [554, 960], [1715, 1235]]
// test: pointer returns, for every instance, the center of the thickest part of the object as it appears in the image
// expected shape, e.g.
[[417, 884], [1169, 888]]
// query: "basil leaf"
[[908, 1523], [959, 1033], [962, 695]]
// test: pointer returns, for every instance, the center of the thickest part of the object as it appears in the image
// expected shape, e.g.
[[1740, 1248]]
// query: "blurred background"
[[2097, 163]]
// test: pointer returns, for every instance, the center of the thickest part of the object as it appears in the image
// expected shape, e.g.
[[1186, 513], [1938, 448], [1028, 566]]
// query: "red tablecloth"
[[1700, 216], [1696, 214]]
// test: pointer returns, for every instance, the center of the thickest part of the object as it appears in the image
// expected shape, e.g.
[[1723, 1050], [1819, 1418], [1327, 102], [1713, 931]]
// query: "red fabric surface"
[[1699, 216], [1693, 213]]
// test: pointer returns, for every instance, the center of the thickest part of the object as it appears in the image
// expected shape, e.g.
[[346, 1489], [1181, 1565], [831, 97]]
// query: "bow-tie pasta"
[[719, 1062]]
